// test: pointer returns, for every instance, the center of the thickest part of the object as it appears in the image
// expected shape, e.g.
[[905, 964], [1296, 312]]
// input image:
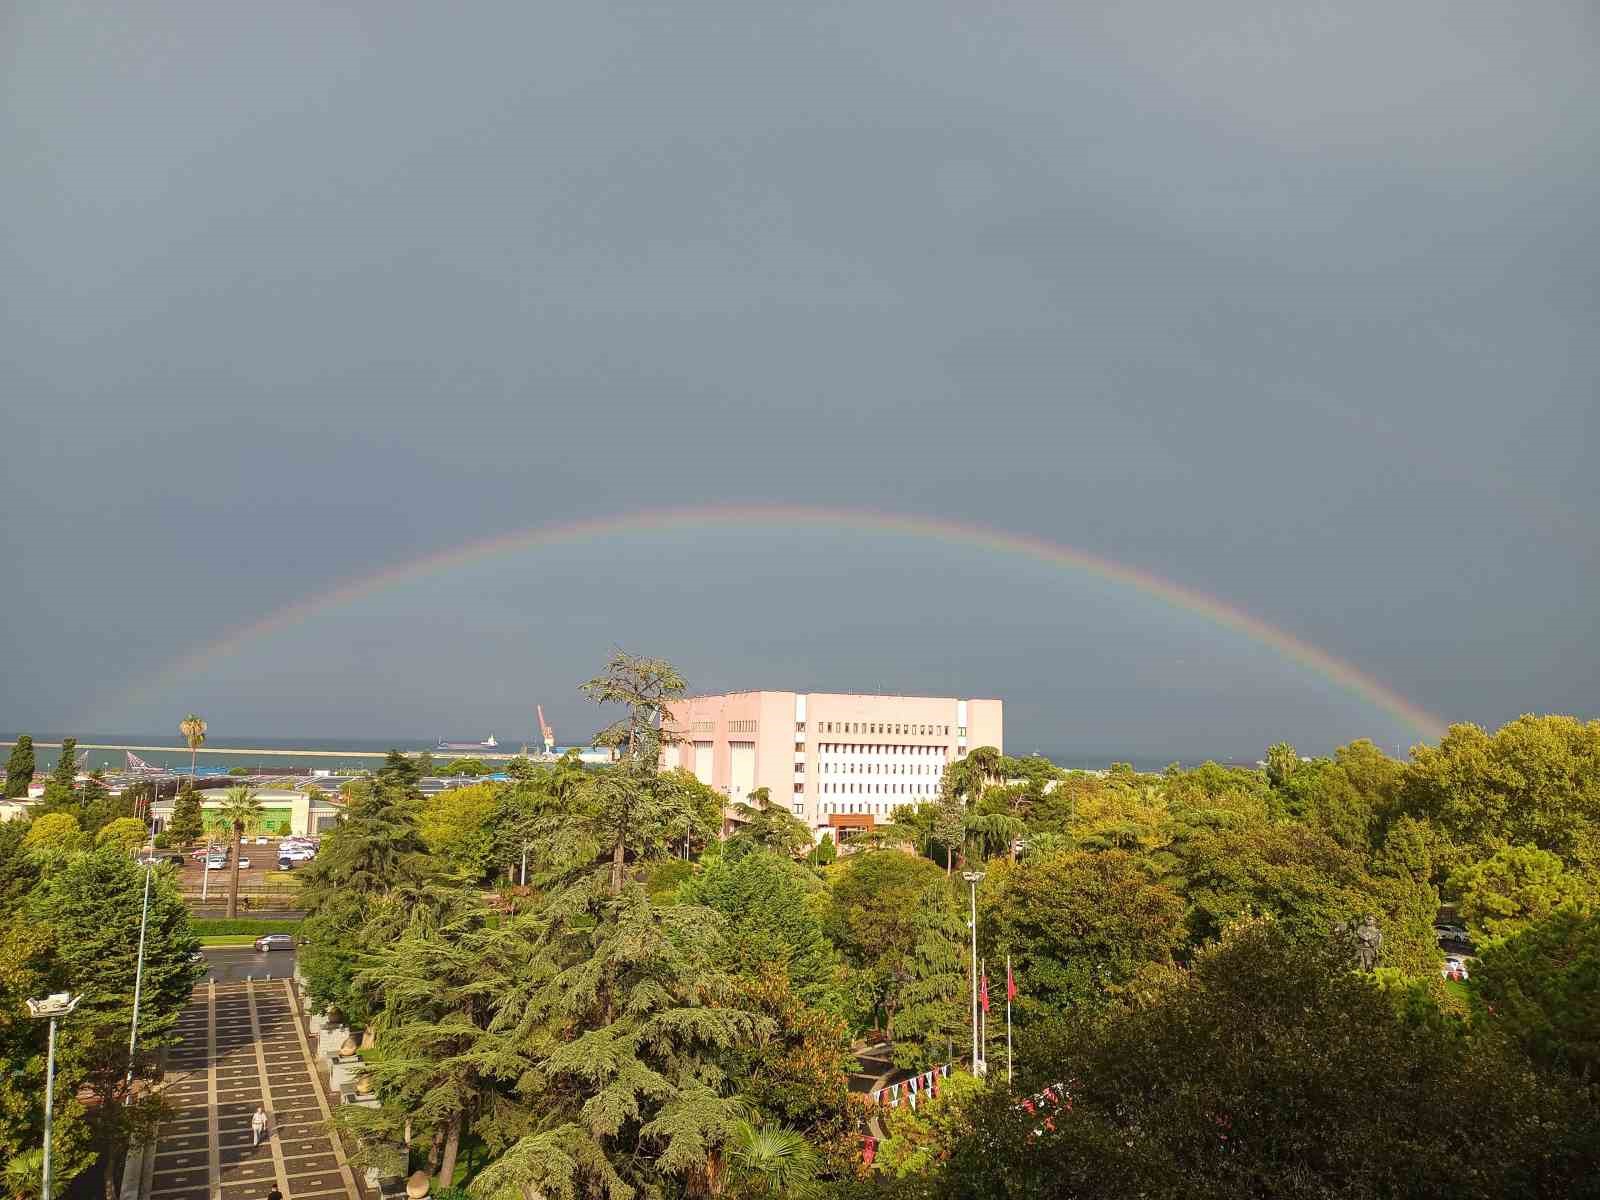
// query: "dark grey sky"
[[1297, 307]]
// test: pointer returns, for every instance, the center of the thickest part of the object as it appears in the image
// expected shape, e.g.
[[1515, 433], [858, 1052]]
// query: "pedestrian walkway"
[[243, 1046]]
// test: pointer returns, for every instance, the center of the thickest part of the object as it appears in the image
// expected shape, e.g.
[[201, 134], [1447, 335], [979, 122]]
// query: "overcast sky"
[[1295, 306]]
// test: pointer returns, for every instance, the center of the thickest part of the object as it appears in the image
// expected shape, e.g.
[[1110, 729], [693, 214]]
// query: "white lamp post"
[[972, 878], [51, 1008], [138, 974]]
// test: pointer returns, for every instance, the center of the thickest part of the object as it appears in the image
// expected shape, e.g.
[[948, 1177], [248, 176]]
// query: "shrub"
[[222, 926]]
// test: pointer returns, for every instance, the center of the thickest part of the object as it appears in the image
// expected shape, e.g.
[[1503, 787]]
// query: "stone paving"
[[243, 1046]]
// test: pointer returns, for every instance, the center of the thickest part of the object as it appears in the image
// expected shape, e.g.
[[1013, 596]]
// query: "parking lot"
[[243, 1046], [260, 882]]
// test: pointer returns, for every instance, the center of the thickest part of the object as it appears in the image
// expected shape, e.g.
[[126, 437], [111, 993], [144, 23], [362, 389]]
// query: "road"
[[243, 1046]]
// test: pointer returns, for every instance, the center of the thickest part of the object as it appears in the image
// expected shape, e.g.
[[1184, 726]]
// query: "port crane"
[[547, 733]]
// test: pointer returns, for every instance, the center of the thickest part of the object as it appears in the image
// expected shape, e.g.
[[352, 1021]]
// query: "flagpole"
[[1008, 1020]]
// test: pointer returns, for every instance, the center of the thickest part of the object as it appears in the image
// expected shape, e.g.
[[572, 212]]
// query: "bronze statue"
[[1364, 939]]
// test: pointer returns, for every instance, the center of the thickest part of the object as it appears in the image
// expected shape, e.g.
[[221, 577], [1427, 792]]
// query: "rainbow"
[[1334, 670]]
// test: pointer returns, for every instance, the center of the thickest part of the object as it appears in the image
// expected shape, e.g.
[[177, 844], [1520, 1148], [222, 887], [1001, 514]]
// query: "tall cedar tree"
[[61, 785], [19, 768], [432, 1065], [374, 852], [632, 795], [622, 1022], [186, 824], [933, 1017]]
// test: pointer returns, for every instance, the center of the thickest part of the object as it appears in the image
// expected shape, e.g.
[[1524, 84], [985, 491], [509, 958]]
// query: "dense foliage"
[[69, 921], [644, 1009], [620, 983]]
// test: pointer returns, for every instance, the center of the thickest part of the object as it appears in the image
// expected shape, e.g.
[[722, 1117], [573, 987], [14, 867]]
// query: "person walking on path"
[[274, 1194], [258, 1126]]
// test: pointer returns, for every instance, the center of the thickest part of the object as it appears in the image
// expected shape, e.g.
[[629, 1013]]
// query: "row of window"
[[877, 789], [903, 751], [898, 728], [742, 726], [852, 807], [872, 768]]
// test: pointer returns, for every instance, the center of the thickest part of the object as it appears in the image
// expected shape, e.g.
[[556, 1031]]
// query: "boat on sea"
[[488, 743]]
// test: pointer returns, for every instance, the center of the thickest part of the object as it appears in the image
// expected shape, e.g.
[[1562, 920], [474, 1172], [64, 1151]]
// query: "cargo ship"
[[488, 743]]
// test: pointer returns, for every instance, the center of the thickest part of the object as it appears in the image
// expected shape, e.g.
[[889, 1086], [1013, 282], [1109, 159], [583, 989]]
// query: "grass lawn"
[[228, 939]]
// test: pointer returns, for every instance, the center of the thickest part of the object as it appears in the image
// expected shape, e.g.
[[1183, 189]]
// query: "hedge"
[[215, 927]]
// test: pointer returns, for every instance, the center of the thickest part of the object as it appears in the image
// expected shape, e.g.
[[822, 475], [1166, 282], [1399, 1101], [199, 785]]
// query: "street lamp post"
[[51, 1008], [972, 878], [138, 976]]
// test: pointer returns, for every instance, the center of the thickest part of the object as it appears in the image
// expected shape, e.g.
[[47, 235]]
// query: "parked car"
[[262, 839], [175, 859], [275, 941], [1454, 968], [1450, 933], [244, 863], [285, 864]]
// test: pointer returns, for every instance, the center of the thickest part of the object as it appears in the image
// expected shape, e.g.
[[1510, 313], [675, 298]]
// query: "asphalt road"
[[230, 964]]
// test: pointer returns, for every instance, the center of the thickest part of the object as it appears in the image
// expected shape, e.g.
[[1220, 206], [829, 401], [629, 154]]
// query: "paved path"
[[243, 1046]]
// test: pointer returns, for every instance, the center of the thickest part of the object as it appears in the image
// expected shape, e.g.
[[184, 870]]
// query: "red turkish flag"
[[983, 993], [1011, 982]]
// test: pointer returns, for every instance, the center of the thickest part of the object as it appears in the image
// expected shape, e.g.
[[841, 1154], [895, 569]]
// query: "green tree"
[[1321, 795], [773, 908], [1283, 760], [26, 971], [634, 806], [917, 1139], [870, 918], [623, 1022], [93, 907], [1513, 888], [61, 786], [193, 728], [825, 851], [458, 824], [187, 823], [796, 1071], [1541, 986], [768, 825], [240, 810], [933, 1016], [1078, 923], [53, 835], [126, 832], [1534, 782], [1269, 1069], [1305, 880], [373, 853], [432, 1063], [19, 768]]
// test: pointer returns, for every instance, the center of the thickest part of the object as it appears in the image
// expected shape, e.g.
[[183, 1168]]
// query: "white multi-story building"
[[838, 760]]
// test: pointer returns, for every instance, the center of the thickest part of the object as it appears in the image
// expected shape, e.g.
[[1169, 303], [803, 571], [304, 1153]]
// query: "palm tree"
[[240, 808], [193, 728], [771, 1161]]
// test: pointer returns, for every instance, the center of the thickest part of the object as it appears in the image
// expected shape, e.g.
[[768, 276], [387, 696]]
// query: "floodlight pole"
[[53, 1007]]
